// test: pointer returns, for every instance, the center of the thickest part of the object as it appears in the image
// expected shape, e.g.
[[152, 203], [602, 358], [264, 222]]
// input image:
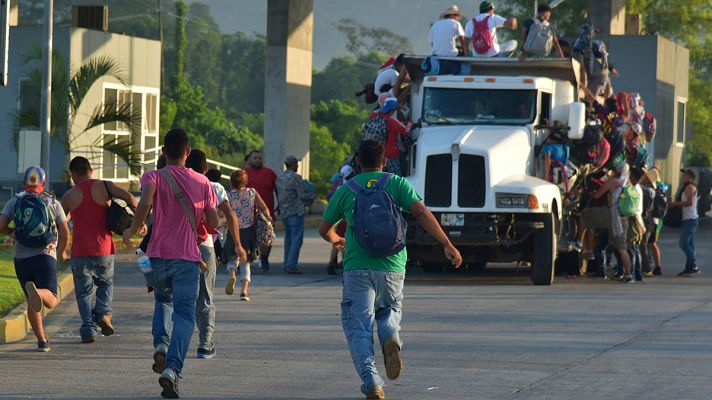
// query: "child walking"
[[244, 201]]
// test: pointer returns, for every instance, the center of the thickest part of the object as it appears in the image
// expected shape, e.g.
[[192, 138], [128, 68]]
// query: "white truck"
[[475, 160]]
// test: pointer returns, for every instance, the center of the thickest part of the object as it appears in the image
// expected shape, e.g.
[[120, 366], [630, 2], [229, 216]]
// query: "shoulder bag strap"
[[108, 192], [178, 193]]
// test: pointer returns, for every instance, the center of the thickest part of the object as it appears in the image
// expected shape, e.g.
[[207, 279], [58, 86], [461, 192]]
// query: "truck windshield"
[[446, 106]]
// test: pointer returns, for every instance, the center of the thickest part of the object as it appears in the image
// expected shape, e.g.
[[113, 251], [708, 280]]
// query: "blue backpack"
[[33, 224], [378, 225]]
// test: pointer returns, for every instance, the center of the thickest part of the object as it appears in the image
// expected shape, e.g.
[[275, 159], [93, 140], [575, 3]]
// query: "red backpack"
[[482, 38]]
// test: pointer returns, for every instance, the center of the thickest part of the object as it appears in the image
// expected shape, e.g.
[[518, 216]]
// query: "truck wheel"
[[544, 259]]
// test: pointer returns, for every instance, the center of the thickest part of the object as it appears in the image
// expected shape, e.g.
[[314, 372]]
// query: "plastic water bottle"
[[144, 263]]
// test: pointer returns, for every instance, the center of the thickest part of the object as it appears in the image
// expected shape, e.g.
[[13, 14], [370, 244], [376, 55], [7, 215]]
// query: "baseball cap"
[[689, 173], [34, 176], [486, 6], [346, 171], [289, 160], [389, 105]]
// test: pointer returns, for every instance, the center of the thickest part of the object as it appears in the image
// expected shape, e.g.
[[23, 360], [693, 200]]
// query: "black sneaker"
[[628, 279], [687, 272], [205, 353], [657, 271], [695, 271], [43, 347], [159, 362], [88, 339], [169, 384]]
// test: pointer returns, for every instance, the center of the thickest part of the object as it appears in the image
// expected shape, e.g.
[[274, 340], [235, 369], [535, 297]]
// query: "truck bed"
[[554, 68]]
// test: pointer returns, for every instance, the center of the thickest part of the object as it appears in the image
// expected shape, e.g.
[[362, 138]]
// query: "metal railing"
[[222, 166]]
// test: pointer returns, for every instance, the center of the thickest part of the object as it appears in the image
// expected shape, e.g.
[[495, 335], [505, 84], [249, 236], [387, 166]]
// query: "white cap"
[[346, 171]]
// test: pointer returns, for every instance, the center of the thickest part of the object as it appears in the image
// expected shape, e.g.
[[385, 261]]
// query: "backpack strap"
[[178, 193], [108, 192], [384, 179], [354, 186]]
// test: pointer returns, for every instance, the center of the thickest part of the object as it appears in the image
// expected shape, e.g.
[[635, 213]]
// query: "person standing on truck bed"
[[481, 31], [542, 18], [391, 77], [445, 33], [373, 279]]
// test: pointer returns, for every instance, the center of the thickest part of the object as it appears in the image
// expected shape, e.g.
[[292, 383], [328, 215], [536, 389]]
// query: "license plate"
[[452, 219]]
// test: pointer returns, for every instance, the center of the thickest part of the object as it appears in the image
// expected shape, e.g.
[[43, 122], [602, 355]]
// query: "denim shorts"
[[40, 269]]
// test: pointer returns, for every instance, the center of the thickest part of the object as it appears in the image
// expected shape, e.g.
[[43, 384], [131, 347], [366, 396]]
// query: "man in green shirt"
[[373, 287]]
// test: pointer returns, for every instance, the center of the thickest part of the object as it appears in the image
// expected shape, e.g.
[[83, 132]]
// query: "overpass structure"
[[288, 79]]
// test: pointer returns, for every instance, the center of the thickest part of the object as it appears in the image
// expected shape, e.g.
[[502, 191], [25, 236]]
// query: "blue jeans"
[[687, 242], [370, 296], [175, 288], [636, 262], [89, 272], [293, 238]]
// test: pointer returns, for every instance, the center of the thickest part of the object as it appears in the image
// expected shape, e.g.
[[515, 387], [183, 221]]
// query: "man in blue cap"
[[38, 225]]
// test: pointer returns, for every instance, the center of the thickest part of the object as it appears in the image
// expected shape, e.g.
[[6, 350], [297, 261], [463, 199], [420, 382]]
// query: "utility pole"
[[46, 101], [160, 34]]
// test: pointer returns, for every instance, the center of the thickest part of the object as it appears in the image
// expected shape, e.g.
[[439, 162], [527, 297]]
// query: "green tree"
[[344, 76], [327, 156], [343, 119], [361, 39], [690, 24]]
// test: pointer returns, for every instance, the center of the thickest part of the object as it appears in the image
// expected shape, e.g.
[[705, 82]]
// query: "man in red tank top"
[[92, 250]]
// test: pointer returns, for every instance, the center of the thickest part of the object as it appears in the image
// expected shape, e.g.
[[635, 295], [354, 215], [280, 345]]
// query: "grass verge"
[[10, 291]]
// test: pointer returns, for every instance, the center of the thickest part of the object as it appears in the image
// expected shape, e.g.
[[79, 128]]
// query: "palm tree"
[[68, 95]]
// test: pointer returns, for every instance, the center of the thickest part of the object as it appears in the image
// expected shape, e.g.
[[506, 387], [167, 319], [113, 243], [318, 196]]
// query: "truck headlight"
[[513, 200]]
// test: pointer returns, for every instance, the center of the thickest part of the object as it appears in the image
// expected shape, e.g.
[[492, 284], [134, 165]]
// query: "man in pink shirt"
[[175, 256], [264, 180]]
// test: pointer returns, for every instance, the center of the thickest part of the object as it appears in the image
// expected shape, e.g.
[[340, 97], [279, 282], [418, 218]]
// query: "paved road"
[[466, 337]]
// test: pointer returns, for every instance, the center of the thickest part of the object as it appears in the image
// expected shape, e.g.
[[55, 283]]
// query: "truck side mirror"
[[577, 120]]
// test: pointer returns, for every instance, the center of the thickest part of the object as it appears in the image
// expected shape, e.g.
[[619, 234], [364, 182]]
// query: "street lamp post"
[[46, 99]]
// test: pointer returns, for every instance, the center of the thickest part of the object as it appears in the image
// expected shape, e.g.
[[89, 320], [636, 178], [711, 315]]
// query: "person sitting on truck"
[[542, 18], [446, 32], [391, 78], [481, 32], [608, 218]]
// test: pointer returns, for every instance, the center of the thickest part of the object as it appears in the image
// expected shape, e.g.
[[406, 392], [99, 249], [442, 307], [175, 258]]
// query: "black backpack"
[[119, 217], [660, 204]]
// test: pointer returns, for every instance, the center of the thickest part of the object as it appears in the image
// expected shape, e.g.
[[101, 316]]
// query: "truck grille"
[[471, 188], [438, 180]]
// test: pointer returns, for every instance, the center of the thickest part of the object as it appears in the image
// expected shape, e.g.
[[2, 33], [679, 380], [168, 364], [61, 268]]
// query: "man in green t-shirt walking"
[[373, 287]]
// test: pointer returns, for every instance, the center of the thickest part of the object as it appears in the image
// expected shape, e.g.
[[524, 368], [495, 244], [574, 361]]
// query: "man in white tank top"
[[688, 201]]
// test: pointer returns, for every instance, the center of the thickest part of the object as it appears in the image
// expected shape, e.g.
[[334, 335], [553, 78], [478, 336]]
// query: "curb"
[[15, 325]]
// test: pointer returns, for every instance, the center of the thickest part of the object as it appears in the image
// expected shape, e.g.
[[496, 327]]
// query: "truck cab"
[[475, 159]]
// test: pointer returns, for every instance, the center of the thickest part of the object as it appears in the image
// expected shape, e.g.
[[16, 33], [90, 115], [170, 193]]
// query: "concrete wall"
[[22, 41], [288, 74], [139, 58], [140, 61], [658, 69]]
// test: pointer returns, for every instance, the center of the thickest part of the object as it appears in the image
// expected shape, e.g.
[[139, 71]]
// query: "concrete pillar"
[[608, 16], [288, 78]]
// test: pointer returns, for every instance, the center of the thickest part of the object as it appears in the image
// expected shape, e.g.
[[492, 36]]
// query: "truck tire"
[[544, 259]]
